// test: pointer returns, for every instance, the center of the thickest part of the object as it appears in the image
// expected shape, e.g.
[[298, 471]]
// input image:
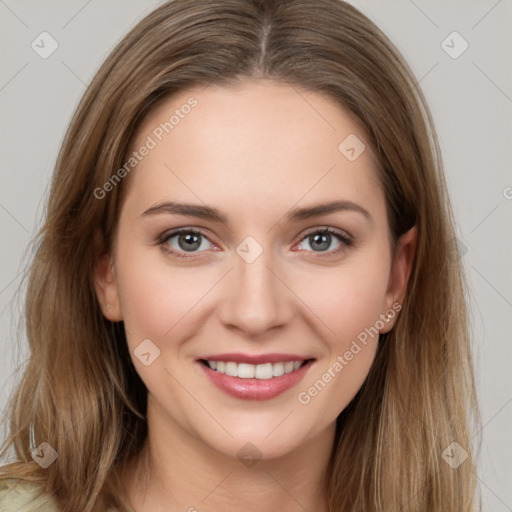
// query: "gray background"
[[471, 101]]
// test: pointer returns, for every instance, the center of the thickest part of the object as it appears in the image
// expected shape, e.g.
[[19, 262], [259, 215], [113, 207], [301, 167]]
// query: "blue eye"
[[321, 239], [185, 242]]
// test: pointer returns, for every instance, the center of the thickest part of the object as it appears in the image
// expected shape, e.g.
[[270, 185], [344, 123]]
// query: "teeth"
[[288, 367], [231, 369], [264, 371], [250, 371], [278, 369], [245, 371]]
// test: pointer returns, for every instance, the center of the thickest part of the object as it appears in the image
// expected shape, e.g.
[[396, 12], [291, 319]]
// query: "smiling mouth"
[[264, 371]]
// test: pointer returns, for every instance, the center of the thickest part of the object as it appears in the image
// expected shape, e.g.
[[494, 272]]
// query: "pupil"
[[190, 240], [323, 239]]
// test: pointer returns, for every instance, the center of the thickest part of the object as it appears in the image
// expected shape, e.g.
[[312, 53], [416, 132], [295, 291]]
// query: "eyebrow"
[[295, 215]]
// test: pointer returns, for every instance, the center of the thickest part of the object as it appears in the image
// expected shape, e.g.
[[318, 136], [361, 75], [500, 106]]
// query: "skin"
[[255, 151]]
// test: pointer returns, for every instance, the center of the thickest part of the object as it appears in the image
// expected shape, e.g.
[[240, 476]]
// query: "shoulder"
[[17, 495]]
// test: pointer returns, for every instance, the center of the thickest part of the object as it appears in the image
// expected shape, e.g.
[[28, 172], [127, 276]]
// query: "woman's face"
[[253, 175]]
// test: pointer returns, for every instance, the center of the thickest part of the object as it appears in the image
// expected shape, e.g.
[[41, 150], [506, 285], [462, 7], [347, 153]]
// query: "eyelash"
[[346, 241]]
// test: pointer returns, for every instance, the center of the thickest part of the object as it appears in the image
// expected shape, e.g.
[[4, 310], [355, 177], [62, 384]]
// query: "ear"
[[399, 277], [105, 283]]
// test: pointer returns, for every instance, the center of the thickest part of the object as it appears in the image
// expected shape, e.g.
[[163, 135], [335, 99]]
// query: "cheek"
[[356, 305], [349, 355], [155, 297], [348, 302], [347, 299]]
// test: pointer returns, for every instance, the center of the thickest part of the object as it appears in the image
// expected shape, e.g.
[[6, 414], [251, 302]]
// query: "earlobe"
[[399, 276], [105, 285]]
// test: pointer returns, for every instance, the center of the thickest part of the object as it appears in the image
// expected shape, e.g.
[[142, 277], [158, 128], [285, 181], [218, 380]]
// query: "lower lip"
[[255, 389]]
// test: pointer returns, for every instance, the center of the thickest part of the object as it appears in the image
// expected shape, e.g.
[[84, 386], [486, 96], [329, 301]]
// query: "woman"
[[191, 344]]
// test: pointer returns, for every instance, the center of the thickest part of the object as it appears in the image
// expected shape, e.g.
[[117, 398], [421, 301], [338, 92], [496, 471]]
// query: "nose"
[[257, 298]]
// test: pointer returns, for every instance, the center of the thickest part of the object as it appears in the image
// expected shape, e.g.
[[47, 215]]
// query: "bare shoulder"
[[17, 495]]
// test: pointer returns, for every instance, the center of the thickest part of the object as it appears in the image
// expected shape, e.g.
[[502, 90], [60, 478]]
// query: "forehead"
[[263, 142]]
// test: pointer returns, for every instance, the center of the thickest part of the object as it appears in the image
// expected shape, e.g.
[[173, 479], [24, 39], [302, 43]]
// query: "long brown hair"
[[80, 392]]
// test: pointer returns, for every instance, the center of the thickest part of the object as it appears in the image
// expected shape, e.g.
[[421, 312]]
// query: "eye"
[[186, 242], [182, 241], [321, 240]]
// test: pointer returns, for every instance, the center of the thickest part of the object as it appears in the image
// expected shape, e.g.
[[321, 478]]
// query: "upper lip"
[[256, 358]]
